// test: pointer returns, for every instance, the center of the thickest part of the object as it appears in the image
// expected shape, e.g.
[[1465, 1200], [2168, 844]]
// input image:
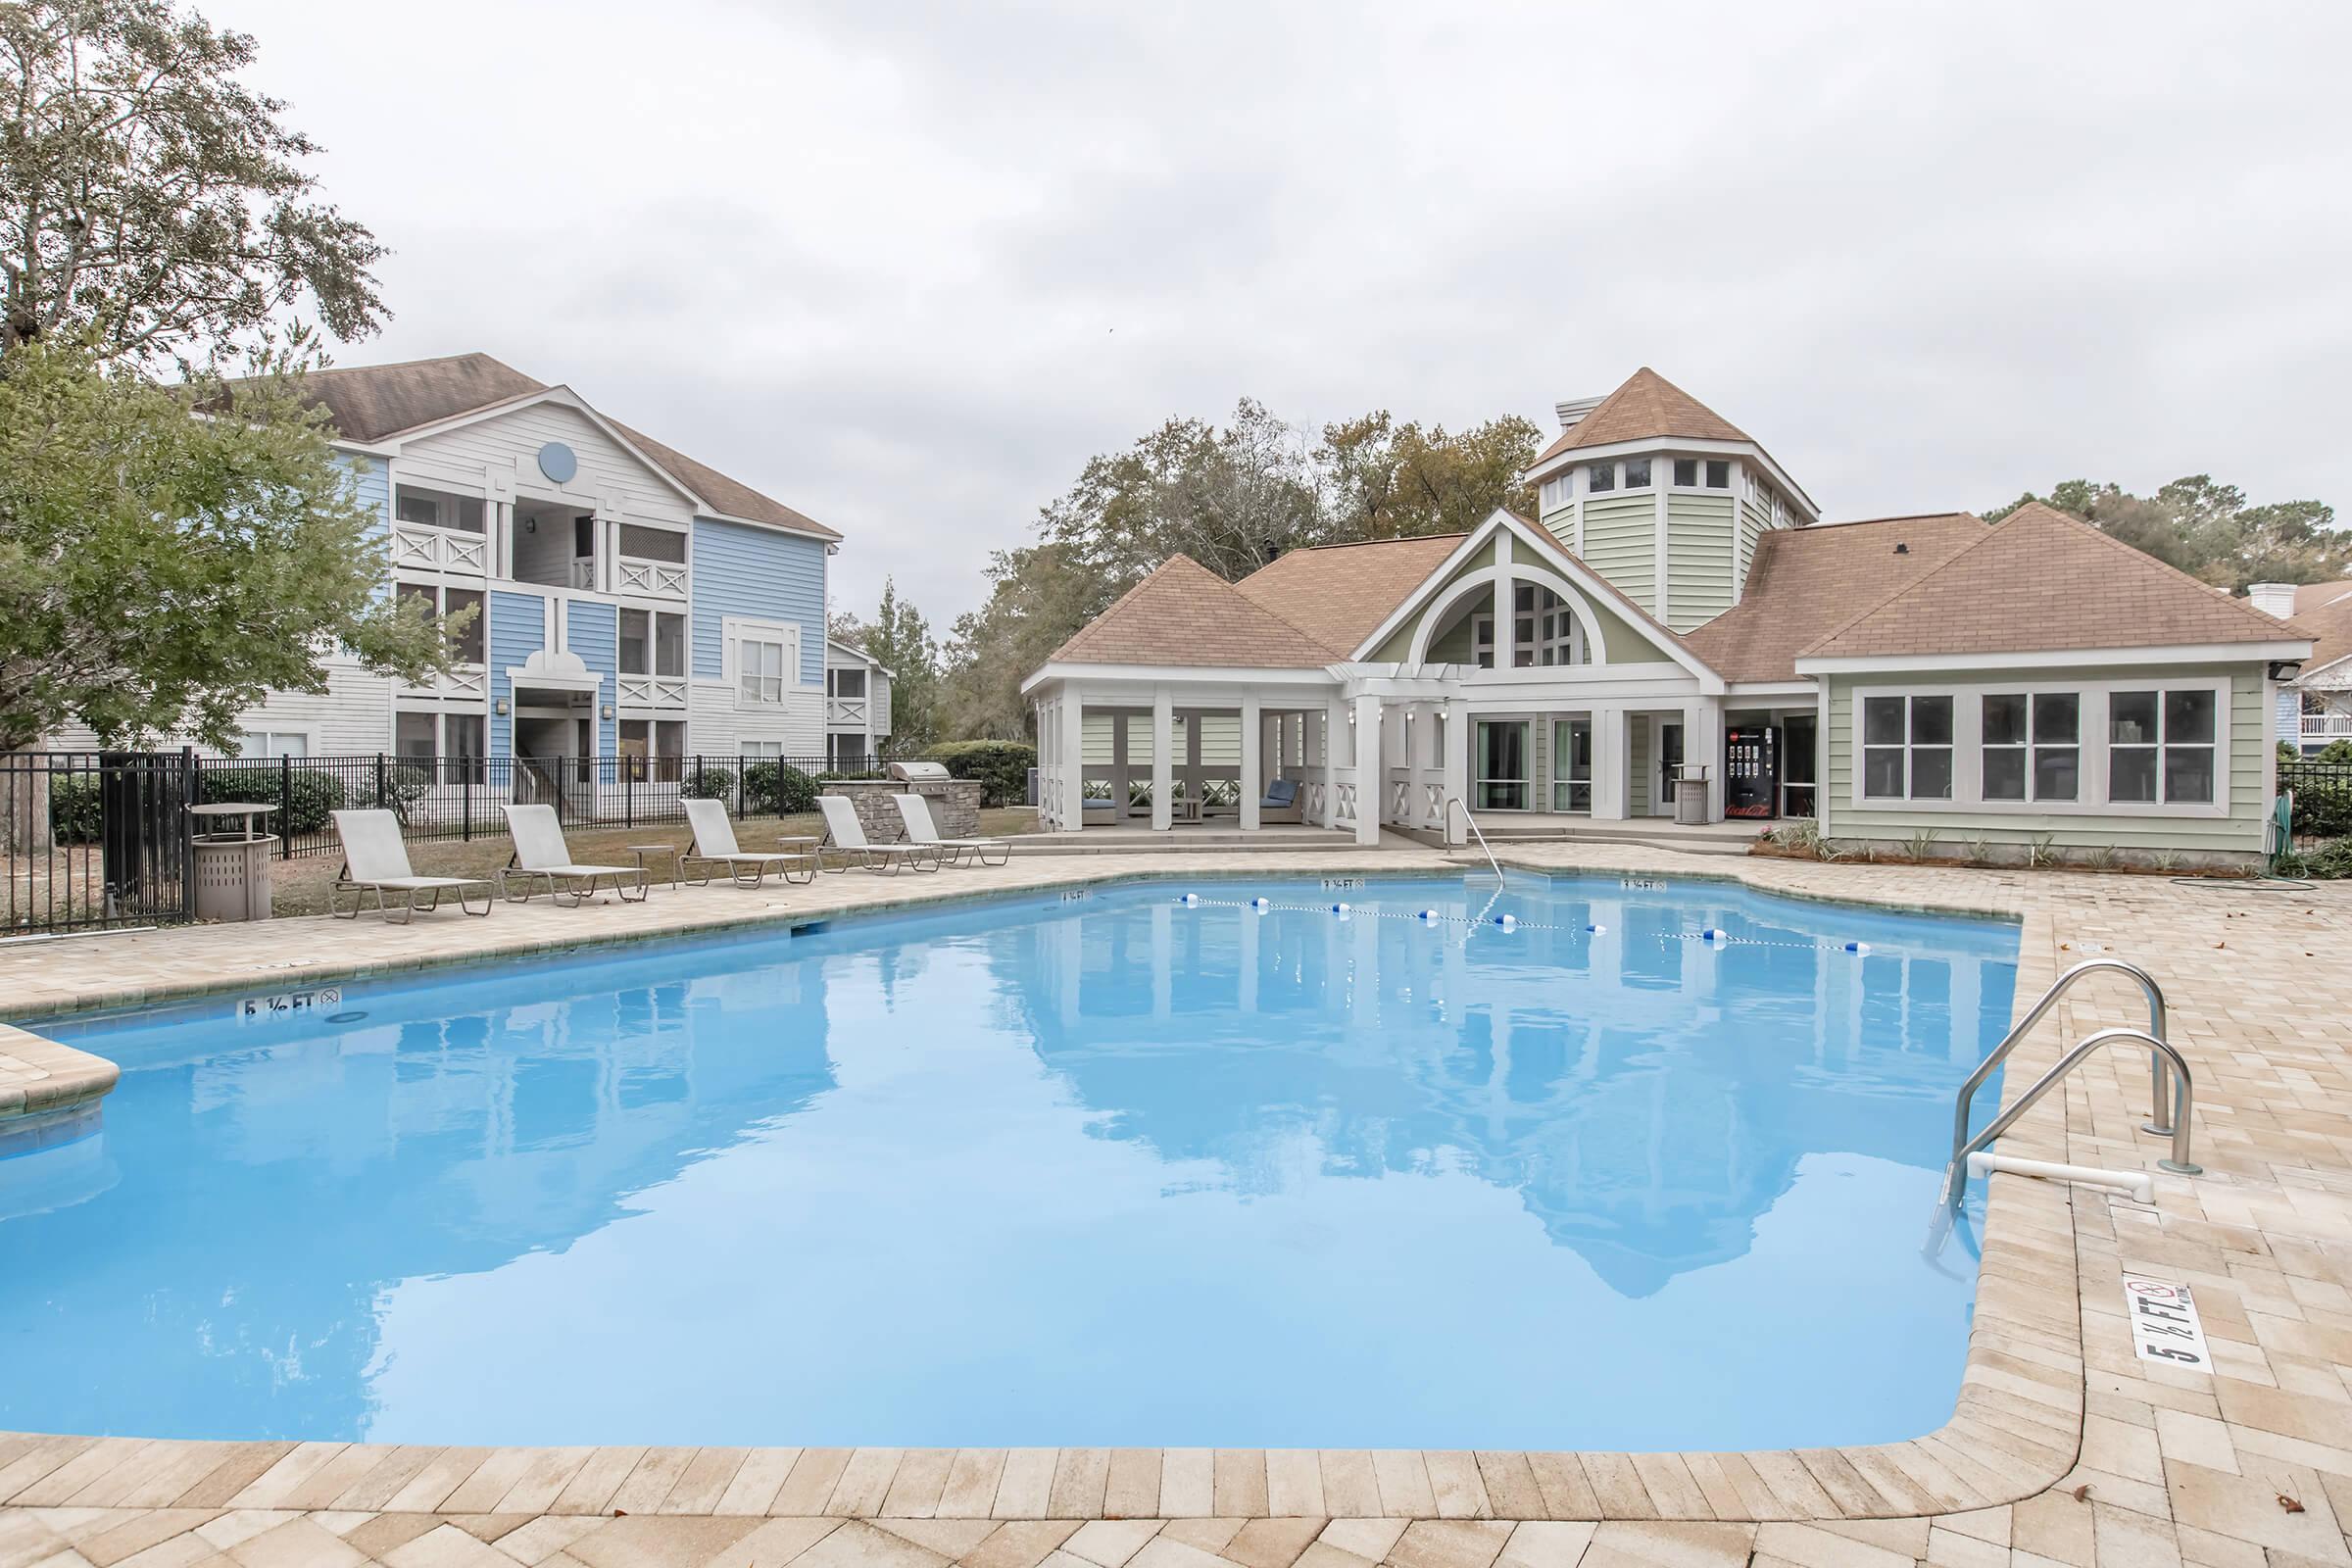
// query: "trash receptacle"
[[1691, 794], [232, 866]]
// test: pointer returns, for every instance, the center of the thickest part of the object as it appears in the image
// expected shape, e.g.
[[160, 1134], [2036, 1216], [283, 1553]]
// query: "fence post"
[[628, 794], [188, 784], [739, 794], [466, 799], [380, 781], [286, 807]]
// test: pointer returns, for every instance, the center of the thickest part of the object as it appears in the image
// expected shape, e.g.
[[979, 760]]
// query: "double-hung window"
[[2033, 745], [761, 661], [2160, 745], [1907, 748]]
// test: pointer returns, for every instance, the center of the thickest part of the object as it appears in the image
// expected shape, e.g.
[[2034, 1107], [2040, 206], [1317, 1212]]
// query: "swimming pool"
[[1101, 1168]]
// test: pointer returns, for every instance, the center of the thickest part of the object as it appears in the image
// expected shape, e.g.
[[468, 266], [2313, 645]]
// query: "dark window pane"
[[2131, 774], [1686, 471], [469, 641], [1882, 771], [2187, 717], [2188, 771], [1932, 773], [2131, 718], [1719, 475], [2004, 721], [1637, 474], [1601, 476], [1930, 722], [2005, 775], [2056, 715], [2057, 771], [1881, 721]]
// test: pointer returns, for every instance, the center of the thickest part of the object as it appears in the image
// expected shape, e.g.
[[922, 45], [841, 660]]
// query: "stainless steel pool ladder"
[[1453, 801], [2171, 1121]]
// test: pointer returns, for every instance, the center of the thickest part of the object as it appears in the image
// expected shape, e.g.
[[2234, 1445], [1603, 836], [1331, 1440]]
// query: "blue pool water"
[[1109, 1170]]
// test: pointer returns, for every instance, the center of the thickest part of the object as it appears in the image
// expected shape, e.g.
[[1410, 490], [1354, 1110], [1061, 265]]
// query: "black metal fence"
[[90, 840], [459, 797], [2323, 795]]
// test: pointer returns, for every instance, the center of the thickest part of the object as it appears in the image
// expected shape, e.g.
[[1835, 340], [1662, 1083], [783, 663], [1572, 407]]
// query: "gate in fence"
[[93, 841]]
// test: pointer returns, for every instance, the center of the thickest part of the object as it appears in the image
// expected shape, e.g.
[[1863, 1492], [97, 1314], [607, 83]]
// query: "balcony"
[[846, 712], [653, 691], [658, 580], [2326, 726], [416, 548], [466, 682]]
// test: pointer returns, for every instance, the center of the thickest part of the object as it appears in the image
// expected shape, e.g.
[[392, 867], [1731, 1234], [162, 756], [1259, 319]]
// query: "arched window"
[[1545, 632]]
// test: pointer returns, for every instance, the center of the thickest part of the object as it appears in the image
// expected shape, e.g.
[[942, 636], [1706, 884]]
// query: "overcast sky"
[[906, 266]]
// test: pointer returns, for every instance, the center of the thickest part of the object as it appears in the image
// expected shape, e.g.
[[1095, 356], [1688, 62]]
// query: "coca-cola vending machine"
[[1752, 777]]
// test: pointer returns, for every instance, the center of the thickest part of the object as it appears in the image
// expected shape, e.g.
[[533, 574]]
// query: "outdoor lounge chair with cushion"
[[541, 856], [376, 860], [714, 846], [848, 835], [916, 812], [1281, 802]]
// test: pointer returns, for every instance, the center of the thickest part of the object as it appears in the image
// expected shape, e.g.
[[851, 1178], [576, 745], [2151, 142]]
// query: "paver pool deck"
[[2064, 1447]]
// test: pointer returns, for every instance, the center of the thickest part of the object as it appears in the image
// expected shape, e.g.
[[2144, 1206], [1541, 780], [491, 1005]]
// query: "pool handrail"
[[2034, 1015], [1452, 801], [2183, 1103]]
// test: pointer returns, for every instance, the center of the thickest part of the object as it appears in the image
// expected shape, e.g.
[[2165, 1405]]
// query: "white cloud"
[[907, 267]]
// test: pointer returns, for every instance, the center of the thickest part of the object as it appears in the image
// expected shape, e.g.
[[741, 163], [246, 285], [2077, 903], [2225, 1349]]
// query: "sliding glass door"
[[1572, 765], [1500, 759]]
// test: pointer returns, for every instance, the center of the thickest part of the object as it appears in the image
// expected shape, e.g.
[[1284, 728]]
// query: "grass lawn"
[[300, 886]]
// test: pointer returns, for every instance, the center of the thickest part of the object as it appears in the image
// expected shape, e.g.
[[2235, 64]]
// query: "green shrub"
[[777, 787], [74, 809], [2322, 810], [709, 784], [2329, 862], [1002, 767], [308, 794]]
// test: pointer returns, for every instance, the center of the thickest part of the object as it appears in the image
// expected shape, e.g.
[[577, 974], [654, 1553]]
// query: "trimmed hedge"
[[73, 810], [709, 784], [309, 795], [777, 787], [1002, 767]]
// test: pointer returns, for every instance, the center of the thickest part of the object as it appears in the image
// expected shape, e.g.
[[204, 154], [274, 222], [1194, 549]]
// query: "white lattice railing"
[[653, 691], [471, 681], [2326, 726], [1343, 805], [1317, 801], [1433, 803], [437, 550], [846, 712], [662, 579]]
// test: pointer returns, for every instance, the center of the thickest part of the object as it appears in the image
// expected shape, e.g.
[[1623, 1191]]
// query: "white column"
[[1612, 764], [1335, 731], [1070, 757], [1253, 736], [1459, 730], [1702, 744], [1163, 747], [1367, 769], [1506, 622]]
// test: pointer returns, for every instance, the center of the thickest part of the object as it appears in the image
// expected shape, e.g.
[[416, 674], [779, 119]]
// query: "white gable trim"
[[1548, 551], [1485, 577], [565, 396], [2061, 659]]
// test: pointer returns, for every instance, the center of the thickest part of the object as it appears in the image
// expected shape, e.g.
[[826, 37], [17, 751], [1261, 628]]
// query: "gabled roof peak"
[[1645, 406], [1183, 614]]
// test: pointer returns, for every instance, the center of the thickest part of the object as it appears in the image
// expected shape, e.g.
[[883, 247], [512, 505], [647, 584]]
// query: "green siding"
[[1458, 645], [1621, 543], [1753, 522], [2240, 832], [1700, 550], [1561, 523]]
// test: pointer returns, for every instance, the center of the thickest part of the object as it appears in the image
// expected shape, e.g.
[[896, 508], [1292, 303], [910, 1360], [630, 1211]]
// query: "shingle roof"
[[2313, 595], [1645, 406], [2042, 581], [1183, 614], [1806, 581], [2329, 624], [1340, 594], [370, 403]]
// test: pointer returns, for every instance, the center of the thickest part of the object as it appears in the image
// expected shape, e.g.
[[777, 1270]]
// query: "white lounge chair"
[[376, 860], [715, 845], [848, 835], [916, 812], [541, 856]]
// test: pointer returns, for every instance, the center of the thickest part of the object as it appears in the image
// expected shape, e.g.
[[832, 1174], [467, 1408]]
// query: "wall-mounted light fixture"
[[499, 708], [605, 712]]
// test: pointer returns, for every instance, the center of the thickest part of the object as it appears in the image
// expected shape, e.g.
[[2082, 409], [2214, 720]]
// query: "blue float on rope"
[[1428, 914], [1338, 909], [1857, 947], [1508, 922], [1190, 897], [1261, 902], [1598, 930]]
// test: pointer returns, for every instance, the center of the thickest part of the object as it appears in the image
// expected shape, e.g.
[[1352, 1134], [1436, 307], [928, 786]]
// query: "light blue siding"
[[2290, 716], [518, 629], [372, 487], [593, 632], [756, 575]]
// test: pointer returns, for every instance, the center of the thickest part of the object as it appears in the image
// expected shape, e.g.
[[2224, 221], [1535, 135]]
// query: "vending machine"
[[1751, 778]]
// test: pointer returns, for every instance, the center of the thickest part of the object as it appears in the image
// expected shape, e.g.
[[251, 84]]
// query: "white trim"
[[1497, 579], [2061, 659], [1536, 472], [2091, 772], [1197, 675], [733, 629]]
